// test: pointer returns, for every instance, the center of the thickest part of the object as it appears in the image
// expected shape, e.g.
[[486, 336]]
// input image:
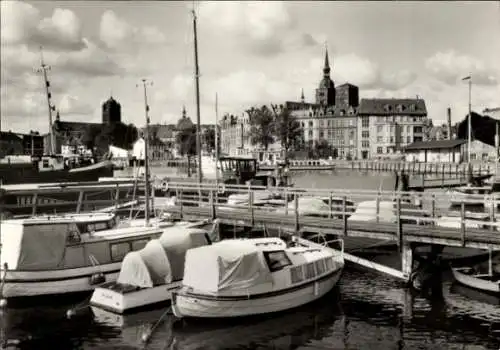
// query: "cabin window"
[[310, 271], [119, 250], [98, 226], [296, 274], [45, 163], [277, 260], [137, 245], [320, 266]]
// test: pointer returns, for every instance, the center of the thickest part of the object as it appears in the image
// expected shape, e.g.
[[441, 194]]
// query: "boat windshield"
[[277, 260]]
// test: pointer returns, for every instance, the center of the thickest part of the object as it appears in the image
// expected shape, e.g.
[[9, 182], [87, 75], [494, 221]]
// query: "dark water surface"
[[366, 311]]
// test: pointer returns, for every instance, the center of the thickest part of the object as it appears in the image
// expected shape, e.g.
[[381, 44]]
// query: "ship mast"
[[44, 69], [145, 83], [197, 81]]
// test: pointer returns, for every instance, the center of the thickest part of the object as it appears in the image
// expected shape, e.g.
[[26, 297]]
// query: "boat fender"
[[97, 278], [164, 186]]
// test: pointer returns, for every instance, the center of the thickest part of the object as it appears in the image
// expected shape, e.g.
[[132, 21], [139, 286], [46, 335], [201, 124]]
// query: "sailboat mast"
[[146, 142], [197, 81], [43, 69], [216, 140]]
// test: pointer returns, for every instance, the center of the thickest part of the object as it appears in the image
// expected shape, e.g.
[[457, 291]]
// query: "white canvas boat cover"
[[231, 265], [33, 247], [161, 260]]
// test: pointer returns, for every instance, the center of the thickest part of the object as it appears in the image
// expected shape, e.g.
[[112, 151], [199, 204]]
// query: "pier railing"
[[376, 214]]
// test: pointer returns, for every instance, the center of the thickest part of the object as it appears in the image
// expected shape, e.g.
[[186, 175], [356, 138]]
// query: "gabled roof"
[[392, 106], [9, 136], [441, 144]]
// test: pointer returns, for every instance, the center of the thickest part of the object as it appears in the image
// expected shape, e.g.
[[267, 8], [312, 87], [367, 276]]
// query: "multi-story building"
[[385, 126]]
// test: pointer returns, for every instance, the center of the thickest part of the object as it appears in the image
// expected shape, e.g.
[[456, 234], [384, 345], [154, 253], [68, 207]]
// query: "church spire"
[[302, 99], [326, 68], [183, 111]]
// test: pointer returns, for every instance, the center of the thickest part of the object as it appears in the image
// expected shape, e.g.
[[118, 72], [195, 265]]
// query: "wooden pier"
[[408, 229], [31, 199]]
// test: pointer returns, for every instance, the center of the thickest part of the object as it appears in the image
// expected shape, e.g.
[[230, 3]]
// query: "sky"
[[250, 54]]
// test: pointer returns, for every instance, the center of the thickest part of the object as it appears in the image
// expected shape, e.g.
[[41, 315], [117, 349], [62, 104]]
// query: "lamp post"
[[469, 132]]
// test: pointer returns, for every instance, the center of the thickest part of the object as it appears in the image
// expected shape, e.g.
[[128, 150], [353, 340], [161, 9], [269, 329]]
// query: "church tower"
[[325, 93]]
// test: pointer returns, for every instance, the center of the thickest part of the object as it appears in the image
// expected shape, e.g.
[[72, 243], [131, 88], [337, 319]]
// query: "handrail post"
[[296, 210], [35, 202], [462, 222], [330, 205], [433, 207], [252, 214], [344, 214], [377, 206], [399, 223], [79, 203], [212, 205], [286, 201], [180, 202]]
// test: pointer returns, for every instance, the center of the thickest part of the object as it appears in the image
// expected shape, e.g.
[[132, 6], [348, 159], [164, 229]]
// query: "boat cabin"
[[51, 163], [237, 170]]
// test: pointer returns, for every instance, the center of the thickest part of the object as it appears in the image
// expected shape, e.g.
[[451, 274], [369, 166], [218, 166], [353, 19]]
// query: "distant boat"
[[52, 169], [244, 277]]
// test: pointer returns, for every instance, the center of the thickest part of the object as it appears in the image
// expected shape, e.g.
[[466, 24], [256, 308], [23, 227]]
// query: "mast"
[[470, 115], [43, 69], [197, 81], [216, 140], [146, 142]]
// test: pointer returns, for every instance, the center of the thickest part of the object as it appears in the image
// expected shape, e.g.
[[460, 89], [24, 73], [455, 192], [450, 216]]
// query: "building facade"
[[386, 126]]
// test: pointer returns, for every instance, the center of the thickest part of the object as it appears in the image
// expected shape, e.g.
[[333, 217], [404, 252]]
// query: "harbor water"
[[366, 311]]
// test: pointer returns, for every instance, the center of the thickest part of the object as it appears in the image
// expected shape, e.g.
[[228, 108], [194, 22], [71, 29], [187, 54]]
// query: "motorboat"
[[485, 282], [148, 276], [244, 277], [386, 211], [476, 196], [62, 254]]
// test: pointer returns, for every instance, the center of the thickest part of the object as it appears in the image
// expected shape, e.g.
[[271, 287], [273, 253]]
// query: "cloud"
[[450, 67], [72, 105], [268, 31], [21, 24], [116, 33]]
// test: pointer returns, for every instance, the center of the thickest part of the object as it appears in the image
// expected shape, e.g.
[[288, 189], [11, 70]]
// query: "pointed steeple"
[[302, 98], [58, 117], [183, 112], [326, 68]]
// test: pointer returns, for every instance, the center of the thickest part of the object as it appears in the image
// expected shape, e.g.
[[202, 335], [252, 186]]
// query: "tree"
[[261, 126], [208, 139], [186, 143], [322, 149], [288, 130]]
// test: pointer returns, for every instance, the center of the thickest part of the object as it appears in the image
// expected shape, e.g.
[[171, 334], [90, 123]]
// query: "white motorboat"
[[386, 211], [62, 254], [486, 282], [148, 276], [243, 277]]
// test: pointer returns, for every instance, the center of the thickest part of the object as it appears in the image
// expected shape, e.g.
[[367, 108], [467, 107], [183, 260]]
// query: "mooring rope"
[[147, 335]]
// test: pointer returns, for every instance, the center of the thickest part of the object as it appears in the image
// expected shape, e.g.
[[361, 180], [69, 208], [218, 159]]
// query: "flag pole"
[[216, 141], [470, 116]]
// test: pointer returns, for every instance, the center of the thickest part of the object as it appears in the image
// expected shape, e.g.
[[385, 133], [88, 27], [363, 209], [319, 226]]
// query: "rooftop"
[[435, 144], [392, 106]]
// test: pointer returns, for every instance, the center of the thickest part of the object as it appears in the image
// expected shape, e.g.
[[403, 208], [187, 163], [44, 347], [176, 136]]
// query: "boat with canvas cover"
[[148, 276], [63, 254], [244, 277], [485, 282]]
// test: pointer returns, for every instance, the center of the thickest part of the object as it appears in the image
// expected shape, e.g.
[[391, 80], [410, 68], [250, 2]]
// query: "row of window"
[[310, 270], [119, 250], [416, 129]]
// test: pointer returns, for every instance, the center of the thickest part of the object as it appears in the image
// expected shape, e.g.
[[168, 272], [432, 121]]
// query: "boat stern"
[[109, 298]]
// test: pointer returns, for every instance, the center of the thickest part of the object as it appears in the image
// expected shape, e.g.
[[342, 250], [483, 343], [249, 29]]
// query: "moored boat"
[[243, 277], [148, 276], [484, 282], [63, 254]]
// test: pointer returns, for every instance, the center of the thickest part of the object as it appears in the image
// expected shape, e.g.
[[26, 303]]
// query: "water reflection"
[[367, 311]]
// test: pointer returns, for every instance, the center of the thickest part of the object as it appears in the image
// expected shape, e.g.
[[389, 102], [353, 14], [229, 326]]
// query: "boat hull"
[[106, 298], [20, 284], [11, 174], [199, 306], [475, 282]]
